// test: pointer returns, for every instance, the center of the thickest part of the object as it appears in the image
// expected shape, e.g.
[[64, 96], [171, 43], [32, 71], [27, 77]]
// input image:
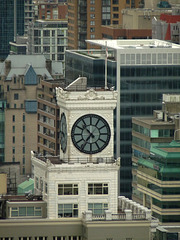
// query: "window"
[[97, 188], [13, 159], [115, 9], [23, 139], [25, 211], [23, 150], [92, 23], [92, 36], [92, 9], [13, 139], [67, 189], [23, 159], [16, 96], [92, 2], [92, 29], [13, 150], [60, 49], [97, 208], [46, 33], [92, 15], [46, 188], [60, 56], [115, 15], [37, 182], [15, 105], [13, 118], [24, 129], [24, 118], [67, 210], [13, 129]]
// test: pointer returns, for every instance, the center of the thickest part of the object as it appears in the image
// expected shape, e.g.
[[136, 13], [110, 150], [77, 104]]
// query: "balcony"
[[128, 211]]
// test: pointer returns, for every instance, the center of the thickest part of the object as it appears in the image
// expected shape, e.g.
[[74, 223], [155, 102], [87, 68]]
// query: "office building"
[[141, 70], [85, 19], [20, 85], [11, 24], [148, 132], [48, 38], [158, 178]]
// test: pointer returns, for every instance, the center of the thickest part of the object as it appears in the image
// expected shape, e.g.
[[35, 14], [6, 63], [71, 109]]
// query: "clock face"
[[90, 134], [63, 133]]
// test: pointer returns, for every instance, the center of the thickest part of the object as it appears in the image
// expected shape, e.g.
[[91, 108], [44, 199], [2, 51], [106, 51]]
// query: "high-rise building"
[[11, 24], [48, 38], [141, 70], [158, 177], [148, 132], [86, 17], [20, 85]]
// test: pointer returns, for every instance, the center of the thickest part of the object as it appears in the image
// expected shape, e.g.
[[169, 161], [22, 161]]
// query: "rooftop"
[[136, 43], [56, 160]]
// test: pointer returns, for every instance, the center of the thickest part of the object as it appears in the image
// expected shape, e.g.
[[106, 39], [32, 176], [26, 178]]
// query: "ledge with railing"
[[58, 160], [128, 211]]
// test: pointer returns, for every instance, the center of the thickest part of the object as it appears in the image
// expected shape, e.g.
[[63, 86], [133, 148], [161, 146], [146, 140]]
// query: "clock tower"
[[86, 121]]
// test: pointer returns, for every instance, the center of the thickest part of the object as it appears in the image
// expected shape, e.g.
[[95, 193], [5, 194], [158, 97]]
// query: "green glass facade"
[[162, 181], [7, 24], [142, 87]]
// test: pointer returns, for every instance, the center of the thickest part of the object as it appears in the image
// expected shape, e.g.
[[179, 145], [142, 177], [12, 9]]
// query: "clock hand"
[[84, 144], [91, 133]]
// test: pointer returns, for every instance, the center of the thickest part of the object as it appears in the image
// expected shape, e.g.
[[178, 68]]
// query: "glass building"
[[11, 24], [141, 71], [158, 177]]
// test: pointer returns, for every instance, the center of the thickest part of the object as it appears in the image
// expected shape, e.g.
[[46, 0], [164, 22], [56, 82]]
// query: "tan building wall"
[[116, 231], [3, 185], [19, 147], [151, 4], [136, 230], [140, 18]]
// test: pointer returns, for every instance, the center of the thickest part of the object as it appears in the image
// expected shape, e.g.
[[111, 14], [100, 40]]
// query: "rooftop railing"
[[58, 160]]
